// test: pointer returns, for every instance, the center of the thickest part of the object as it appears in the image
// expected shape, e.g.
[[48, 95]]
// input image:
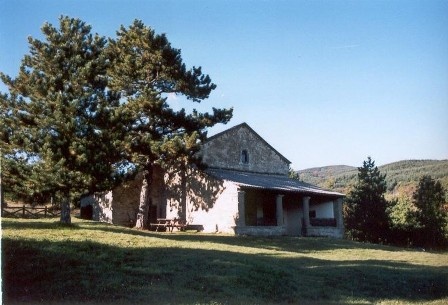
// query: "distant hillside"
[[402, 177]]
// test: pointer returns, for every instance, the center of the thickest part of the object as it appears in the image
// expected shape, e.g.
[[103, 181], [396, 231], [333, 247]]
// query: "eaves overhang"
[[270, 182]]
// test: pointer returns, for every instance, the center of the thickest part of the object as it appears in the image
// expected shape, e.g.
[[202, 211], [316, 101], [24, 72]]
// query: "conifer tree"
[[145, 68], [365, 209], [60, 116], [430, 215]]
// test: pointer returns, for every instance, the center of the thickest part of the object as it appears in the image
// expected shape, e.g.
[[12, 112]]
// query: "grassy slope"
[[89, 262]]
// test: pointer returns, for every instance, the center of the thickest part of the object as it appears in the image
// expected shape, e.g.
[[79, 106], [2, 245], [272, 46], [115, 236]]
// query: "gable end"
[[241, 148]]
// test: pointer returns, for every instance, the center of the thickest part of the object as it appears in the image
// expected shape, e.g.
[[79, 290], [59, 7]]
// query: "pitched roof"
[[244, 124], [269, 182]]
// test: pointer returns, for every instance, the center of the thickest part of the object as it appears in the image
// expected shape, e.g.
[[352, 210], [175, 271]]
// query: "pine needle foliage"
[[365, 209], [60, 116], [430, 214], [84, 111], [145, 69]]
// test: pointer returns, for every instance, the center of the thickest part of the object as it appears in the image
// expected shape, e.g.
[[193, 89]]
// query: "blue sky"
[[324, 82]]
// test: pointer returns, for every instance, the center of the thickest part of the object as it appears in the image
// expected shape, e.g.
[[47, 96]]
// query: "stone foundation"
[[261, 230], [325, 232]]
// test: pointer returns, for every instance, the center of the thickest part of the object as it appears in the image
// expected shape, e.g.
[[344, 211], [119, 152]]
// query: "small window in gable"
[[244, 156]]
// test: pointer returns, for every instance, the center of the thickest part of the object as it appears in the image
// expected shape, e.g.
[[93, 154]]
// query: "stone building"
[[244, 190]]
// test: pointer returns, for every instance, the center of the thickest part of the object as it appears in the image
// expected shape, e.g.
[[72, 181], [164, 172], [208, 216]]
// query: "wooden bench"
[[169, 224], [179, 224], [158, 225]]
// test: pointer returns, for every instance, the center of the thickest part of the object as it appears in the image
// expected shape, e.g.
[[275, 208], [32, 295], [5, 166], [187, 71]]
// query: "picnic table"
[[169, 224]]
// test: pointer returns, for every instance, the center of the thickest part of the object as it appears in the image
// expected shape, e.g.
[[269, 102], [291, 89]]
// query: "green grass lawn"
[[93, 263]]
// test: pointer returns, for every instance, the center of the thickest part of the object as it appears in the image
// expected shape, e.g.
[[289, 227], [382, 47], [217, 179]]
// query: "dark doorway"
[[152, 214], [87, 212]]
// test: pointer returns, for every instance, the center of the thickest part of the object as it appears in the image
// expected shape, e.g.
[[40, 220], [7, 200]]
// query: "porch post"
[[279, 206], [306, 211], [338, 214], [241, 209]]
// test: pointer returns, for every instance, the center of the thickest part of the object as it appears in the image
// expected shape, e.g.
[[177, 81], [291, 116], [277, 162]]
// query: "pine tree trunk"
[[2, 202], [145, 194], [183, 199], [65, 210]]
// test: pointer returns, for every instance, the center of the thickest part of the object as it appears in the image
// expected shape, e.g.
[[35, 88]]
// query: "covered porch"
[[267, 212], [278, 205]]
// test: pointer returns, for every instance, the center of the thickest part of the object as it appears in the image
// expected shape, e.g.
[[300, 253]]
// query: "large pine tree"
[[145, 69], [59, 115], [82, 106], [365, 209]]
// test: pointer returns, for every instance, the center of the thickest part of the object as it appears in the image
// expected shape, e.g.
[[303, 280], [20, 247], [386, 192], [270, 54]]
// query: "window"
[[244, 157]]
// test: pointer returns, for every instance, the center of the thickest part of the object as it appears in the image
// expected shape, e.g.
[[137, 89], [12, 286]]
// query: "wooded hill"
[[402, 177]]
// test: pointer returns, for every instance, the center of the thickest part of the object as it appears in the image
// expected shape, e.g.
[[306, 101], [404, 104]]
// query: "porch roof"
[[269, 182]]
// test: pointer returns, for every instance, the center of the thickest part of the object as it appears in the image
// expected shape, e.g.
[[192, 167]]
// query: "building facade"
[[245, 190]]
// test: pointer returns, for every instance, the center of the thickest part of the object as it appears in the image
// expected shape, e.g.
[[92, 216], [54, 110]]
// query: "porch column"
[[306, 211], [338, 213], [241, 209], [279, 204]]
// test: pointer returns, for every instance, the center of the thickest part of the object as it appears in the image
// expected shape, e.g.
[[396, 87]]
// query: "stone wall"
[[323, 210], [120, 206], [325, 232], [210, 203], [261, 230], [103, 208], [225, 151], [101, 204]]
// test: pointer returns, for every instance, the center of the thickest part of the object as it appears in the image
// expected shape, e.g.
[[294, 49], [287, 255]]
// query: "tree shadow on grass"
[[279, 243], [71, 271], [9, 223]]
